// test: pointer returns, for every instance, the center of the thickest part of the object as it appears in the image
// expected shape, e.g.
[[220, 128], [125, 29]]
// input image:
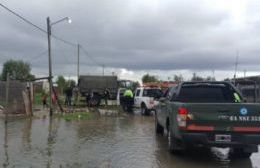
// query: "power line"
[[24, 19], [35, 26], [37, 56], [88, 55], [54, 36], [64, 41]]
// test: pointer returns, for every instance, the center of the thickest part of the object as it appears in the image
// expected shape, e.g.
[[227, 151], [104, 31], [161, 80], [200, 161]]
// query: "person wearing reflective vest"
[[128, 93], [128, 100]]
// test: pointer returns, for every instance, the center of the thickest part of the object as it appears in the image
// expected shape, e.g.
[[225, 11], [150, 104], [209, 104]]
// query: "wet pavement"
[[123, 141]]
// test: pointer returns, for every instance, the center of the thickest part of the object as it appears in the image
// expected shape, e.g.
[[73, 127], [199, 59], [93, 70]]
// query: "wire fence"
[[11, 96]]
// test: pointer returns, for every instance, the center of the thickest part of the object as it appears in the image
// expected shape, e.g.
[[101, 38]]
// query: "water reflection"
[[26, 134], [6, 162], [124, 141], [197, 158], [51, 140]]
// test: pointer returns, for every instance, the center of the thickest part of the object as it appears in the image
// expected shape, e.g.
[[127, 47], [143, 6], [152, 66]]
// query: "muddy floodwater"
[[124, 141]]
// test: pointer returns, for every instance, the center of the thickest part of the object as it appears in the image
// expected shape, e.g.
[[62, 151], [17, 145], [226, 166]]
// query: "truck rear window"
[[152, 92], [206, 94]]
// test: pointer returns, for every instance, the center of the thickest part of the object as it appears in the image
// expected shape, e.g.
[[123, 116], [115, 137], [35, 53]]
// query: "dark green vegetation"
[[149, 78], [63, 84], [18, 70], [37, 99]]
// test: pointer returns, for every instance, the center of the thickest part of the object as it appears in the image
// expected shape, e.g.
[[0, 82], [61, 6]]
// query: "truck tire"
[[173, 147], [158, 127], [144, 110], [240, 153]]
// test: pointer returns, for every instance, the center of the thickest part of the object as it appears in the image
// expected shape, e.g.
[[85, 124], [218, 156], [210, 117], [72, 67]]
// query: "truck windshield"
[[152, 92], [206, 94]]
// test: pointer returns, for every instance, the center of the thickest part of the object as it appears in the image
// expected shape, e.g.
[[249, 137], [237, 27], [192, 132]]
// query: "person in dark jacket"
[[68, 93], [106, 95]]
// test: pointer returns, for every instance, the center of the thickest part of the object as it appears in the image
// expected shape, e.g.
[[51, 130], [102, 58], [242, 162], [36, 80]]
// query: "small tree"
[[135, 85], [196, 78], [149, 78], [178, 78], [61, 81], [70, 83], [209, 78], [17, 69]]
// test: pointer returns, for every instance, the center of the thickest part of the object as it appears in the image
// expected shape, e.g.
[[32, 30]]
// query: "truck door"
[[163, 106], [137, 98]]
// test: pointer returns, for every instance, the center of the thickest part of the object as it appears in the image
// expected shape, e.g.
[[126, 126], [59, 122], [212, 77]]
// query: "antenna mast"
[[236, 63]]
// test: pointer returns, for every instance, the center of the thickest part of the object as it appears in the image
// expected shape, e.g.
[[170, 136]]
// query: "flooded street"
[[125, 141]]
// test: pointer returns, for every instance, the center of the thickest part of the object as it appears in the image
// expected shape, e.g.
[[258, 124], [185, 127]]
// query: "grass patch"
[[37, 99], [75, 116], [2, 103]]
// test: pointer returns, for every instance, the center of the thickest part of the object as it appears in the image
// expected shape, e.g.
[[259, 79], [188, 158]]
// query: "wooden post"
[[28, 97], [7, 96], [31, 97], [26, 102]]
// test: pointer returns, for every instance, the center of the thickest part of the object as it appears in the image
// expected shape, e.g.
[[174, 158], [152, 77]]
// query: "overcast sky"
[[133, 37]]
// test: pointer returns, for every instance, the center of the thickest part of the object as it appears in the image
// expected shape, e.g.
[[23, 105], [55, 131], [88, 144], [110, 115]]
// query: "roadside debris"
[[1, 109], [106, 112]]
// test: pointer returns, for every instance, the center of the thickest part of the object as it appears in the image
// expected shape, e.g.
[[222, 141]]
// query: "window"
[[137, 92], [152, 92], [205, 93], [172, 93]]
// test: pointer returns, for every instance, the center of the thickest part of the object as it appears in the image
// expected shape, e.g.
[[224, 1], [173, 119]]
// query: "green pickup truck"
[[208, 114]]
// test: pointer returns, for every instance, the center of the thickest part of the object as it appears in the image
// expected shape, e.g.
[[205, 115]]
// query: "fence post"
[[31, 97], [7, 96]]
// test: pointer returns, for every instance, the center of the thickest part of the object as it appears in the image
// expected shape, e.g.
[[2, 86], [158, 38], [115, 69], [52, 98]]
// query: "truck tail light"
[[182, 117], [246, 129], [194, 127]]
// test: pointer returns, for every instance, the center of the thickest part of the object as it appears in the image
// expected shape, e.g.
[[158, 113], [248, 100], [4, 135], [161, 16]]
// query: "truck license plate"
[[223, 138]]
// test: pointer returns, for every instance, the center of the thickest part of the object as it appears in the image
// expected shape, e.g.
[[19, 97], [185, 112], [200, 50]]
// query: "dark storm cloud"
[[133, 34]]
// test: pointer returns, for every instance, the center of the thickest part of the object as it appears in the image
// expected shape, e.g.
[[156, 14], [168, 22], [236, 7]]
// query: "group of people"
[[71, 94], [72, 97]]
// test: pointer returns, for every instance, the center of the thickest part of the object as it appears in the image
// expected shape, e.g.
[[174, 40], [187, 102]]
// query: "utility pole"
[[213, 73], [78, 61], [244, 73], [49, 24], [50, 63], [103, 66], [7, 96], [235, 74]]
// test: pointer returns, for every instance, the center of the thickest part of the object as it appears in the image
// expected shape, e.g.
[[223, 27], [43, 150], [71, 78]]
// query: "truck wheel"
[[143, 109], [240, 153], [172, 144], [158, 128], [147, 112]]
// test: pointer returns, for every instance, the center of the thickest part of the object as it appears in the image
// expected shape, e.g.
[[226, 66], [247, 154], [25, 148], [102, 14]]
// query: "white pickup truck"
[[144, 98]]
